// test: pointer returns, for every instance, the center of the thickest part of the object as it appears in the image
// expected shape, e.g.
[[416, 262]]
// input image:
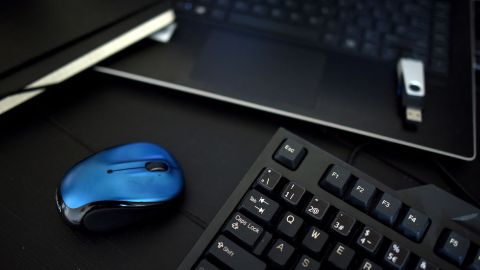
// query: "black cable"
[[356, 151], [359, 148], [450, 179], [454, 181]]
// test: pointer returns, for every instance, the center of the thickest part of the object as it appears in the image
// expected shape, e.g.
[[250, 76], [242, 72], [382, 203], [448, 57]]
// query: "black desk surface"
[[214, 142]]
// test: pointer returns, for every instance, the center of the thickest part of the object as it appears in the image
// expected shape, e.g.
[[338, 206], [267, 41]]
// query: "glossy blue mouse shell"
[[119, 174]]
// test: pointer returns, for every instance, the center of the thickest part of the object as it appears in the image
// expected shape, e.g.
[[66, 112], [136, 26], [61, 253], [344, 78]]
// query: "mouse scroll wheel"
[[156, 166]]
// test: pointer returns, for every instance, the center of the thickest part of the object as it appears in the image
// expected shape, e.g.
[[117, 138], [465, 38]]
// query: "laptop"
[[330, 62]]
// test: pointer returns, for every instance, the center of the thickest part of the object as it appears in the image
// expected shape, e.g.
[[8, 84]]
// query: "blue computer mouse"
[[119, 186]]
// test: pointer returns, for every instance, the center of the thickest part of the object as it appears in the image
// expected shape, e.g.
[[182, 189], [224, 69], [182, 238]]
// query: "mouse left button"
[[156, 166]]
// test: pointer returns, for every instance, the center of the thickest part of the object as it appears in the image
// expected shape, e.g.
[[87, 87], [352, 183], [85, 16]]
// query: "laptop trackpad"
[[248, 68]]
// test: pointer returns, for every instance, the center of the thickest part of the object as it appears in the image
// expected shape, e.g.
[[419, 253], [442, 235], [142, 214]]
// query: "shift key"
[[233, 255]]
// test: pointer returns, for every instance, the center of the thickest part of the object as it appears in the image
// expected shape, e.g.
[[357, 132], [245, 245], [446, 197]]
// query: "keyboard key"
[[200, 10], [293, 193], [206, 265], [262, 244], [330, 39], [414, 225], [259, 205], [369, 265], [290, 154], [235, 257], [475, 264], [307, 263], [290, 224], [387, 209], [350, 43], [241, 6], [336, 180], [280, 253], [389, 54], [317, 208], [361, 194], [396, 256], [369, 240], [218, 14], [453, 247], [425, 265], [370, 49], [343, 224], [269, 179], [224, 3], [296, 17], [315, 240], [278, 14], [341, 256], [260, 10], [243, 229]]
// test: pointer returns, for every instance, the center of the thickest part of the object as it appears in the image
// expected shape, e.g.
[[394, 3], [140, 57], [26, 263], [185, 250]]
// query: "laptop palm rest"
[[249, 68]]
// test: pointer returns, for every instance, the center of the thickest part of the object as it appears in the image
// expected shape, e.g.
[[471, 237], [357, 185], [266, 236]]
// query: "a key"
[[290, 154], [262, 244], [243, 229], [234, 256], [454, 247], [341, 256], [361, 194], [343, 224], [293, 193], [414, 225], [336, 180], [307, 263], [290, 224], [396, 256], [387, 209], [259, 205], [369, 240], [315, 240], [280, 253], [317, 208]]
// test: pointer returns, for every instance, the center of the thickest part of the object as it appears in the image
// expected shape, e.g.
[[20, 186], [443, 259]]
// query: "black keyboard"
[[381, 29], [299, 207]]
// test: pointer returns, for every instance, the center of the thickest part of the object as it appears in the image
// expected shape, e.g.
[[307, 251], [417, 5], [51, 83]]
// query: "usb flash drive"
[[411, 90]]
